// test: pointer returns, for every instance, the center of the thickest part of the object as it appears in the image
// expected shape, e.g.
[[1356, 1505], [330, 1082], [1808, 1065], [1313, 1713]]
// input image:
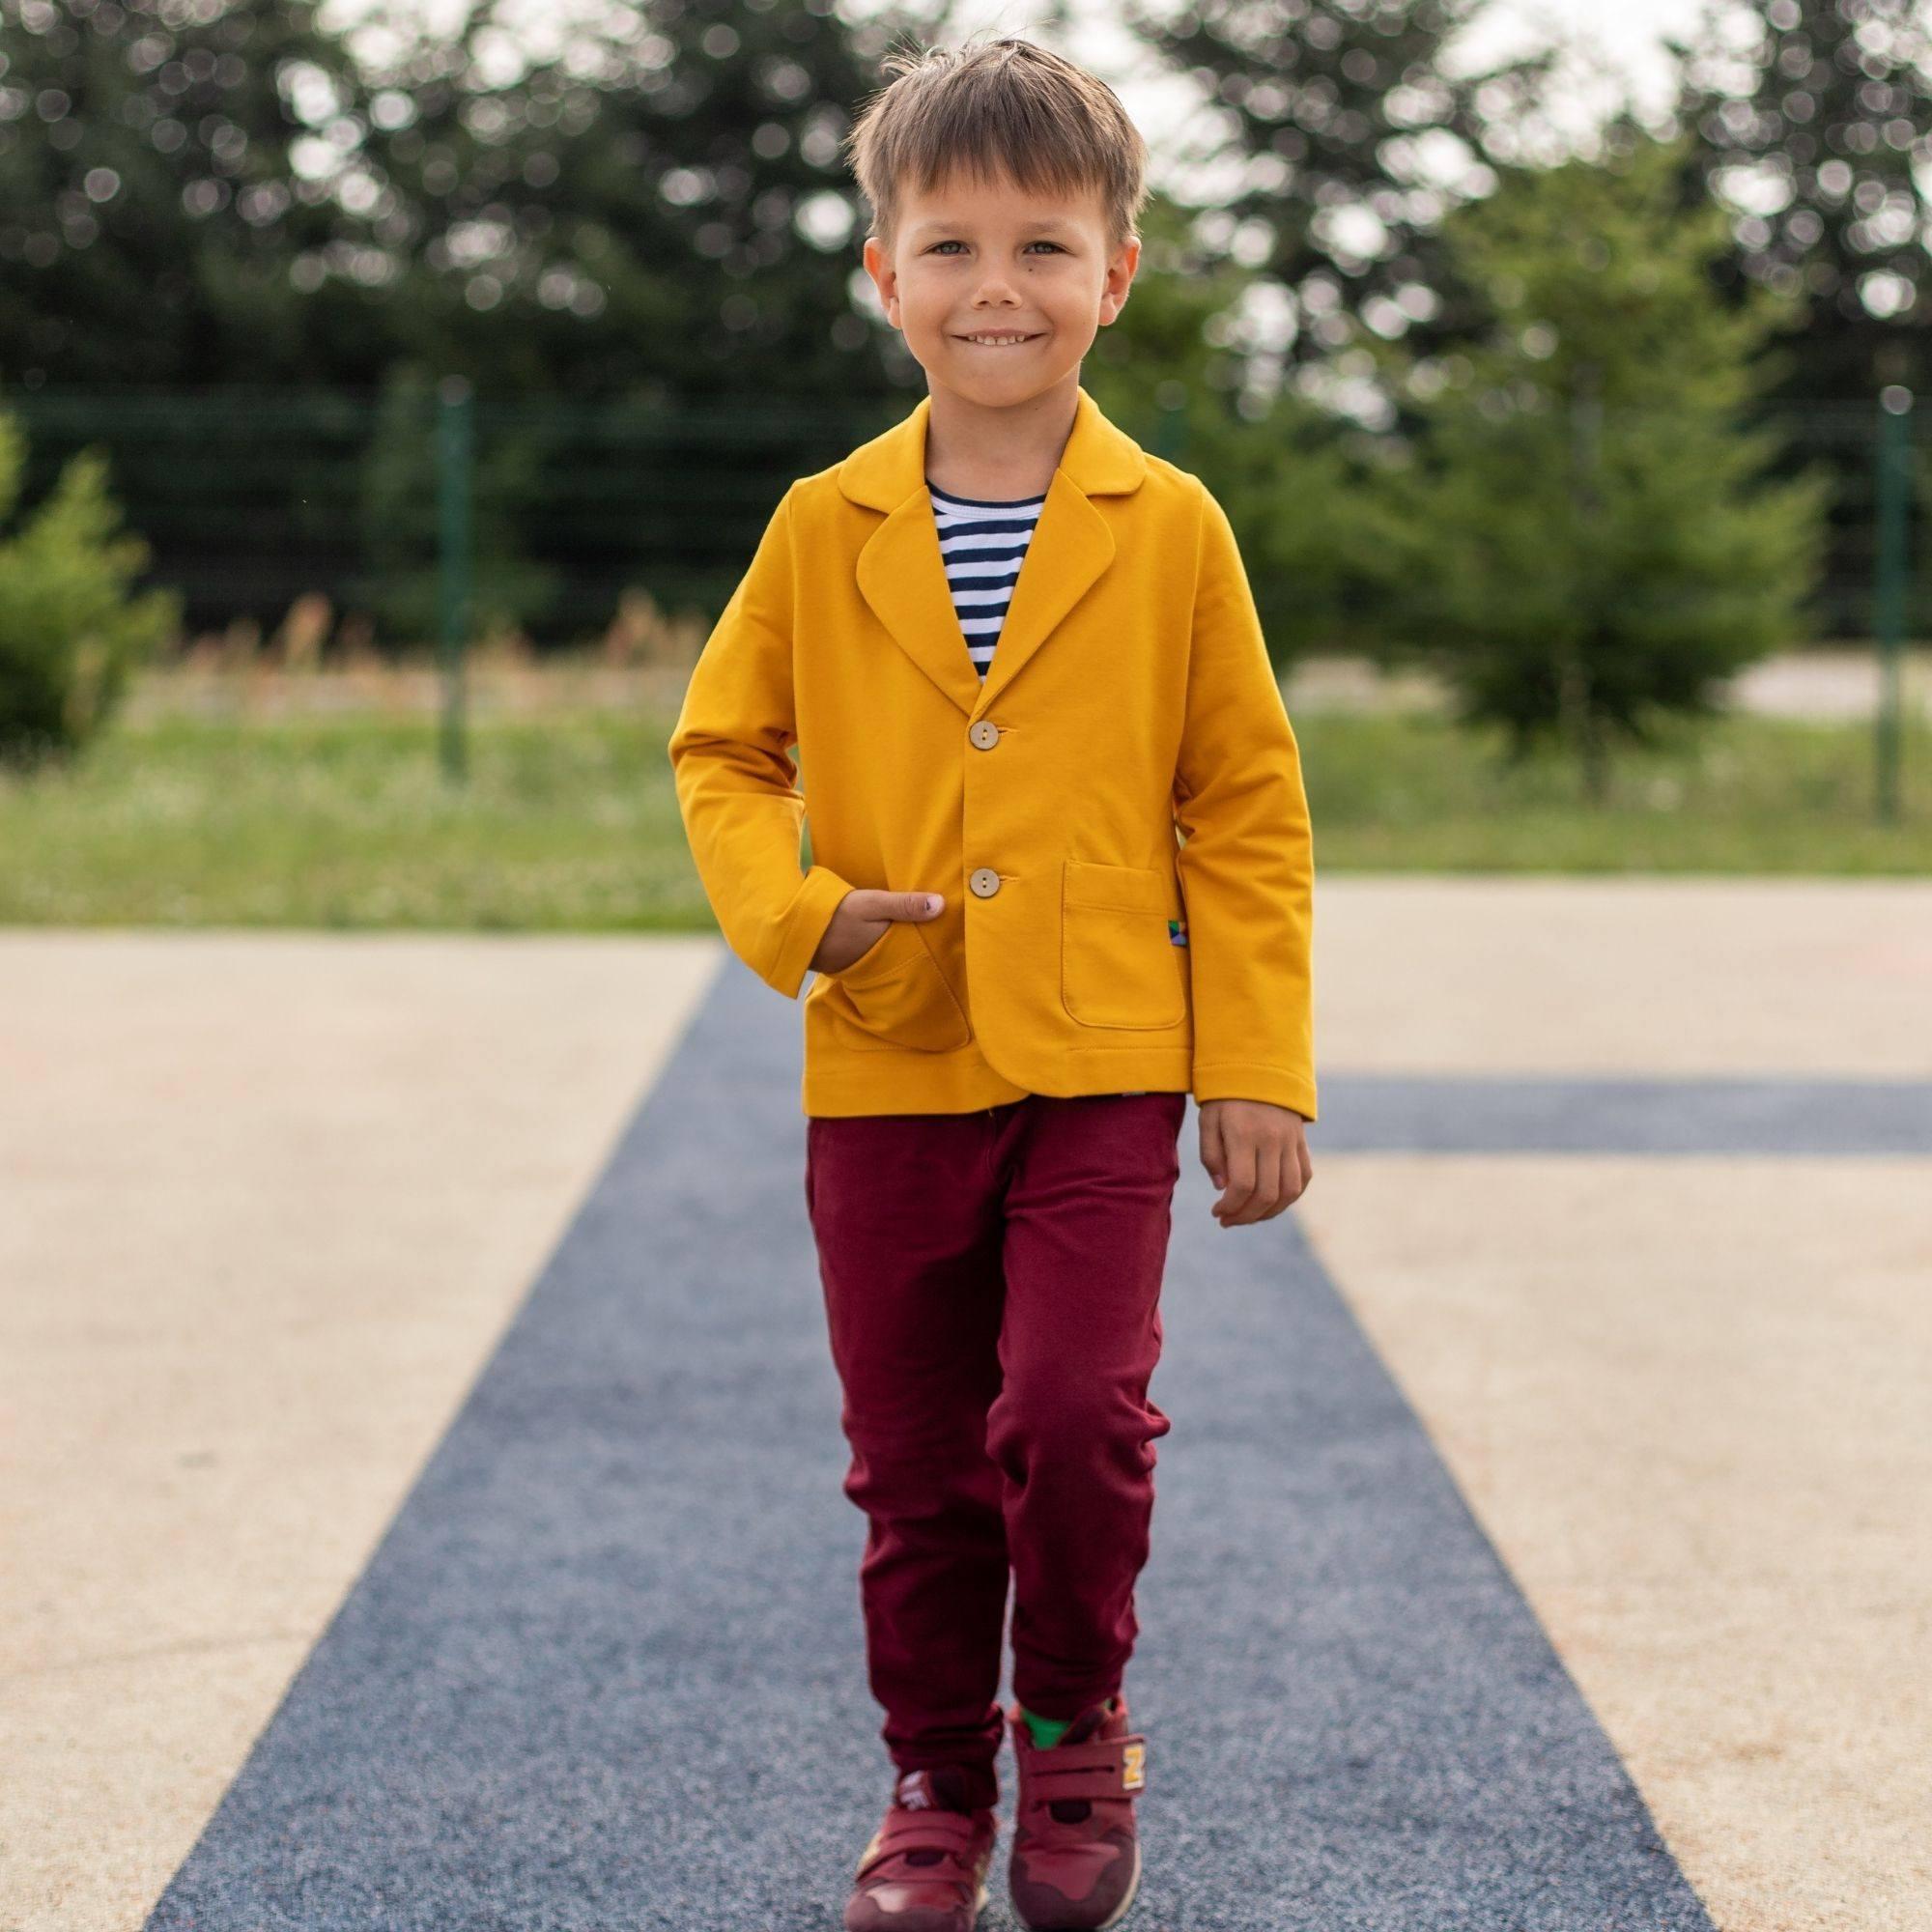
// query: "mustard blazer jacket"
[[1116, 817]]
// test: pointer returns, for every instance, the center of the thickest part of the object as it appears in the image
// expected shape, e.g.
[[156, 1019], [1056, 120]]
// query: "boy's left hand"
[[1257, 1154]]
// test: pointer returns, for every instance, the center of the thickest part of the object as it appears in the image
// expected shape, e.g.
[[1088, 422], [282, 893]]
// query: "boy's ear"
[[1120, 276], [879, 266]]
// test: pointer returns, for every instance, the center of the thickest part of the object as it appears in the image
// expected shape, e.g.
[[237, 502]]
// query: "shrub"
[[70, 631]]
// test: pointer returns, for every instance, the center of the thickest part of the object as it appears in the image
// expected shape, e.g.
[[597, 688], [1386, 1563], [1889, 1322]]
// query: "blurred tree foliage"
[[1816, 128], [70, 631], [222, 193], [651, 197], [150, 209], [1296, 480], [1587, 543], [658, 207], [1354, 137], [647, 206]]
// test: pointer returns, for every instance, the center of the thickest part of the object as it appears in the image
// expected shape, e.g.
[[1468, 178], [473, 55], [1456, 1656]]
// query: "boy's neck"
[[999, 453]]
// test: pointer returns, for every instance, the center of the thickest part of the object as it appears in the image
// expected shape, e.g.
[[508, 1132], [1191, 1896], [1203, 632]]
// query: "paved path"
[[1540, 1500], [604, 1670]]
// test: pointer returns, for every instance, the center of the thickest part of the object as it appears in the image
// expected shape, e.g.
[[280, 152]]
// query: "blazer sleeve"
[[1247, 866], [737, 790]]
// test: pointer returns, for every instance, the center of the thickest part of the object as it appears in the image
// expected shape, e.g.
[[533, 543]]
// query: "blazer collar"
[[901, 576]]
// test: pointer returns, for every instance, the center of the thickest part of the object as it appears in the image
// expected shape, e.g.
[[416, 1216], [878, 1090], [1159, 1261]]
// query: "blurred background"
[[390, 396]]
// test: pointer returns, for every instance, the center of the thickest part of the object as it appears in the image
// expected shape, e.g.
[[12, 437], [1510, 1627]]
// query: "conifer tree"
[[1591, 544]]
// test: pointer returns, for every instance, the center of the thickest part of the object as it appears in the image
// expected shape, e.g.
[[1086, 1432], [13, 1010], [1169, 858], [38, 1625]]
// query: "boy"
[[1019, 656]]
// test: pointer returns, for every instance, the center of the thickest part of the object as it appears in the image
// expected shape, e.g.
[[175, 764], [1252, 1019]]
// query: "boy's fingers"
[[1261, 1174], [1242, 1168], [875, 902], [1270, 1179], [1295, 1171], [1266, 1202], [1212, 1156], [1277, 1169]]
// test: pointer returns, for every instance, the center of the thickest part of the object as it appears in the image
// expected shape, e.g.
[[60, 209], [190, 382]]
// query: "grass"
[[1742, 794], [569, 820]]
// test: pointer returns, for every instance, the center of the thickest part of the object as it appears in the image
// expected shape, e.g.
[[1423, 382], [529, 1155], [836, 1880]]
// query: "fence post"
[[455, 443], [1894, 496]]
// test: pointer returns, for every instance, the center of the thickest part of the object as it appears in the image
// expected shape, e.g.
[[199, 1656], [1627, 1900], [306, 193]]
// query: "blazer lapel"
[[902, 577], [901, 574], [1072, 546]]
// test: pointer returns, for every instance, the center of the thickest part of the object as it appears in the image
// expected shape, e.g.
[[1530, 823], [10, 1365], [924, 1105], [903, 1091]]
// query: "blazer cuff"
[[808, 915], [1255, 1080]]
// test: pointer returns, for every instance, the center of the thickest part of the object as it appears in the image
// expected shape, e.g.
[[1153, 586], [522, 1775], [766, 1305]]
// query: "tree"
[[228, 193], [150, 210], [1590, 543], [1353, 138], [1814, 130], [655, 206]]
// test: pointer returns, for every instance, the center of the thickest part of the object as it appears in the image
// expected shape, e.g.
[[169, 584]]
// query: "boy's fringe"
[[1001, 107]]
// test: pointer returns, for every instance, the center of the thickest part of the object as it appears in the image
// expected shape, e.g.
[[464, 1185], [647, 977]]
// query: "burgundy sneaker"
[[1076, 1857], [924, 1868]]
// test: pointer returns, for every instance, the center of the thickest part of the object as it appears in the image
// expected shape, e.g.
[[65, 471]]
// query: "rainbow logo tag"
[[1176, 932]]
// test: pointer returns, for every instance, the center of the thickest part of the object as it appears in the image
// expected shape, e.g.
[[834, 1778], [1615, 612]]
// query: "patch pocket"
[[895, 989], [1118, 965]]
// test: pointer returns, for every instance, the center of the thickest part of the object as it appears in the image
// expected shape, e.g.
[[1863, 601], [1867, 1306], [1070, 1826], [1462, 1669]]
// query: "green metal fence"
[[251, 499], [436, 514]]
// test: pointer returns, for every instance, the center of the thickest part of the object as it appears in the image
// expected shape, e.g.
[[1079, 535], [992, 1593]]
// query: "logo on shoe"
[[1133, 1766], [915, 1791]]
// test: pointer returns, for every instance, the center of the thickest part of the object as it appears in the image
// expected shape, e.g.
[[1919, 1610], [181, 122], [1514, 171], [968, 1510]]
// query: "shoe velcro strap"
[[1099, 1767], [907, 1829]]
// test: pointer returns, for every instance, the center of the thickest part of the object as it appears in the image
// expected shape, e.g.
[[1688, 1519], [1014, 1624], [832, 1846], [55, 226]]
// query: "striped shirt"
[[983, 545]]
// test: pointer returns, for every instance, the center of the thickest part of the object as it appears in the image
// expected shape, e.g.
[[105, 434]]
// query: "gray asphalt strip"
[[1545, 1113], [606, 1669]]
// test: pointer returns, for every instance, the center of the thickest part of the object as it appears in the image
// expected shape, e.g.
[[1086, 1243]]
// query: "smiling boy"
[[1062, 877]]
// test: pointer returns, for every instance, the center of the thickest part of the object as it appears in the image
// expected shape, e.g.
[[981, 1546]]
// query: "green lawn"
[[569, 820]]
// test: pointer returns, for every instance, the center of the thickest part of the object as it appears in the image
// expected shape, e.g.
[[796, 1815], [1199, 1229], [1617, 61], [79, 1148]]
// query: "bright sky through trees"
[[1629, 32]]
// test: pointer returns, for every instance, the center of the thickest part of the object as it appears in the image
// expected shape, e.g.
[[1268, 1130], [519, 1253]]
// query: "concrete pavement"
[[1640, 1402]]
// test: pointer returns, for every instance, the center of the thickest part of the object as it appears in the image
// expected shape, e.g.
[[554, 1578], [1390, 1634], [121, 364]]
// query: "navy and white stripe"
[[983, 545]]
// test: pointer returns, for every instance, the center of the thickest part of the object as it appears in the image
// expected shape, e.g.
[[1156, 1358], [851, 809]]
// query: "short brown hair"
[[1005, 106]]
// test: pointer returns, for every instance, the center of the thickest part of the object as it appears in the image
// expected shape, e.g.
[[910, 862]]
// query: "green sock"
[[1048, 1730]]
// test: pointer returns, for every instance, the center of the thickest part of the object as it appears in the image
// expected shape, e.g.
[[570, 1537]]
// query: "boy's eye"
[[938, 245]]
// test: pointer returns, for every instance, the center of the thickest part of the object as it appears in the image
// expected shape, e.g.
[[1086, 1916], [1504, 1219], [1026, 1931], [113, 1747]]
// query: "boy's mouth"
[[1001, 338]]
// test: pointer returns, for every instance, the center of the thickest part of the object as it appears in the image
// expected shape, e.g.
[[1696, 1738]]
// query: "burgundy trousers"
[[993, 1286]]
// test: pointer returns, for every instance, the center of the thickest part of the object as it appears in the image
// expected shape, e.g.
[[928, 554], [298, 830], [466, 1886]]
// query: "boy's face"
[[977, 258]]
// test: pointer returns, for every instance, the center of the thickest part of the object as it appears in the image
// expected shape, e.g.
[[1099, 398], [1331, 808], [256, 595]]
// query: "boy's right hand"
[[860, 921]]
